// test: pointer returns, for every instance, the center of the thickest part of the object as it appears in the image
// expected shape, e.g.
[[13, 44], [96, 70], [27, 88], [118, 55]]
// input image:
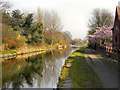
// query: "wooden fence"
[[109, 52]]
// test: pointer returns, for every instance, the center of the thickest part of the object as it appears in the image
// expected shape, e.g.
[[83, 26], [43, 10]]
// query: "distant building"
[[116, 30]]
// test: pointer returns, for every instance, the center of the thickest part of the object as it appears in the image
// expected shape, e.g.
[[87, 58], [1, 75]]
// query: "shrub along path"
[[108, 76]]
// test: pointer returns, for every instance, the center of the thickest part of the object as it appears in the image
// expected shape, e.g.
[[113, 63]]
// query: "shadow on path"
[[108, 76]]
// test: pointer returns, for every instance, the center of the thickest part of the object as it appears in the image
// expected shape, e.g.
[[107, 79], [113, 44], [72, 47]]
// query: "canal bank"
[[36, 71], [30, 51], [77, 73]]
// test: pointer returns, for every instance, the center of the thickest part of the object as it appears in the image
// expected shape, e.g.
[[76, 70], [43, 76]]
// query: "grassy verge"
[[25, 50], [63, 76], [8, 52], [81, 73]]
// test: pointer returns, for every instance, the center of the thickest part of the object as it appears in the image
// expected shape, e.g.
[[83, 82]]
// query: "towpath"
[[108, 76]]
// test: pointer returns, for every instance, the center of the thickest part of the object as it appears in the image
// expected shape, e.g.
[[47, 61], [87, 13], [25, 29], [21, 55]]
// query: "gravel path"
[[108, 76]]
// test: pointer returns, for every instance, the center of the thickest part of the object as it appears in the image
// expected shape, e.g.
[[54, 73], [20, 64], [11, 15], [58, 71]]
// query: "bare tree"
[[55, 24], [4, 5], [68, 34], [46, 20], [52, 22], [55, 21], [39, 16], [100, 17]]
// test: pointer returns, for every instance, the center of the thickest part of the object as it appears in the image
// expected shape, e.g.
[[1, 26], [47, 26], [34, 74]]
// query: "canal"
[[35, 71]]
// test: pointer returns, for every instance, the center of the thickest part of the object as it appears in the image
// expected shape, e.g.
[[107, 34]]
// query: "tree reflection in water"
[[38, 71]]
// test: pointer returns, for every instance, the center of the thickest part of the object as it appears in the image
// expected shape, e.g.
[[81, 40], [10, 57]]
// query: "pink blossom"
[[101, 33]]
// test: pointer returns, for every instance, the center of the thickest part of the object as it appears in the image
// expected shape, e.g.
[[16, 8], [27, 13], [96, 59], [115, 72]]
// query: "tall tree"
[[4, 5], [52, 22], [28, 21], [27, 26], [17, 20], [39, 16], [100, 17], [40, 22], [17, 14], [55, 24], [46, 20], [55, 21], [4, 14]]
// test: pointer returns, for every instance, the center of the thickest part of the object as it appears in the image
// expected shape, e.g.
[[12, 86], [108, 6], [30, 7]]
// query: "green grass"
[[81, 73], [84, 45], [13, 51], [8, 52], [50, 47]]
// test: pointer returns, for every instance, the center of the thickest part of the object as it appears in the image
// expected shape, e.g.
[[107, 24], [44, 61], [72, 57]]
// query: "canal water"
[[35, 71]]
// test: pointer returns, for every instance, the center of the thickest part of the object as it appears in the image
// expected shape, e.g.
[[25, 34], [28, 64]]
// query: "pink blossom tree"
[[102, 33]]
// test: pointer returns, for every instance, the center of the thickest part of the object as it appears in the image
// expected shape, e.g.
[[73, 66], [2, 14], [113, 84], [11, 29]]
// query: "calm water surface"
[[35, 71]]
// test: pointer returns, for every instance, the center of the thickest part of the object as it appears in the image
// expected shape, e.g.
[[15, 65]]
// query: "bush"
[[12, 39]]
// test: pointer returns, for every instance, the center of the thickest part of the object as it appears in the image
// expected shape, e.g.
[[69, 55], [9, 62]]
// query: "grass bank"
[[8, 52], [31, 49], [25, 51], [81, 73]]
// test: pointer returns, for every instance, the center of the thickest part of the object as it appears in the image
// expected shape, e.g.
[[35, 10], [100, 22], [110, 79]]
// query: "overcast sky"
[[73, 13]]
